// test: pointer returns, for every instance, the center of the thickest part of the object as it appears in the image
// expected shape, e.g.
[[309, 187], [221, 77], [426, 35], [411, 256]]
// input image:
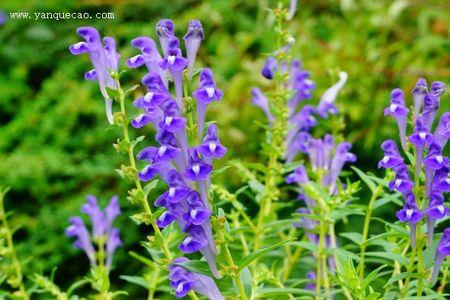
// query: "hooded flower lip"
[[419, 92], [326, 105], [173, 60], [164, 30], [172, 123], [401, 183], [398, 110], [438, 88], [165, 219], [421, 136], [431, 105], [190, 245], [270, 68], [155, 154], [437, 209], [410, 213], [154, 83], [211, 146]]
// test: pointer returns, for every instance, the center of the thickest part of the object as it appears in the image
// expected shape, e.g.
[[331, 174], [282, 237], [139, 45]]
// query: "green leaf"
[[355, 237], [150, 186], [196, 266], [112, 93], [131, 89], [245, 261], [137, 280], [219, 171], [389, 256], [372, 276], [247, 281], [137, 140], [364, 177]]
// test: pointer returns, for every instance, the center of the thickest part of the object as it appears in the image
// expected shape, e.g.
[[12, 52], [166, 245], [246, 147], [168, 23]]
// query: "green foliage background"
[[54, 148]]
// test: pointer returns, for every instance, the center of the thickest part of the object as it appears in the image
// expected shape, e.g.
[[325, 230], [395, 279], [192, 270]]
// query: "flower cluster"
[[302, 118], [428, 201], [104, 58], [183, 281], [186, 169], [428, 144], [104, 235]]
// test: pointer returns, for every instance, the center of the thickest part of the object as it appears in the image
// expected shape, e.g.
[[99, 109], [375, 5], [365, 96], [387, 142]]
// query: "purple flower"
[[419, 92], [341, 156], [442, 251], [176, 63], [299, 176], [156, 154], [433, 161], [431, 105], [197, 169], [205, 94], [149, 56], [262, 102], [292, 7], [442, 133], [192, 40], [112, 244], [436, 210], [411, 214], [78, 230], [102, 229], [420, 139], [326, 105], [270, 68], [164, 30], [211, 146], [401, 183], [104, 58], [301, 84], [183, 281], [438, 88], [165, 219], [398, 110], [391, 156]]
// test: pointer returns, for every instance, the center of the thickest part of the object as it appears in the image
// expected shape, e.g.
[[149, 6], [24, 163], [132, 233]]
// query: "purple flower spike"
[[431, 105], [83, 241], [419, 92], [398, 110], [197, 170], [211, 146], [299, 176], [112, 210], [326, 105], [262, 102], [112, 244], [433, 161], [192, 40], [270, 68], [164, 30], [442, 251], [442, 133]]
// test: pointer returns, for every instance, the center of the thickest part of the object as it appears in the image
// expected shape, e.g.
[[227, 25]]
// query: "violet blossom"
[[103, 232], [104, 58]]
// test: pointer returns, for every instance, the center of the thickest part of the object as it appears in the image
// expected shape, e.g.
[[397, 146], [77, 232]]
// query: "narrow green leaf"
[[372, 276], [389, 256], [245, 261], [137, 280], [150, 186], [355, 237], [364, 177], [196, 266], [247, 281]]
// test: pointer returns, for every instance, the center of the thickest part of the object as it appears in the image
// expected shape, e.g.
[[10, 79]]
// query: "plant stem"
[[18, 276], [143, 198], [236, 275], [366, 227], [419, 262]]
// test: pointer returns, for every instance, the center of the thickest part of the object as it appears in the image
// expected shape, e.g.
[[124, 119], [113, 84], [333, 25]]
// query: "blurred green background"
[[54, 145]]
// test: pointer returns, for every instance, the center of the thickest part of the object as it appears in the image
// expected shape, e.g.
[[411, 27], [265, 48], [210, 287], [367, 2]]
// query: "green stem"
[[236, 275], [18, 276], [366, 227], [420, 269]]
